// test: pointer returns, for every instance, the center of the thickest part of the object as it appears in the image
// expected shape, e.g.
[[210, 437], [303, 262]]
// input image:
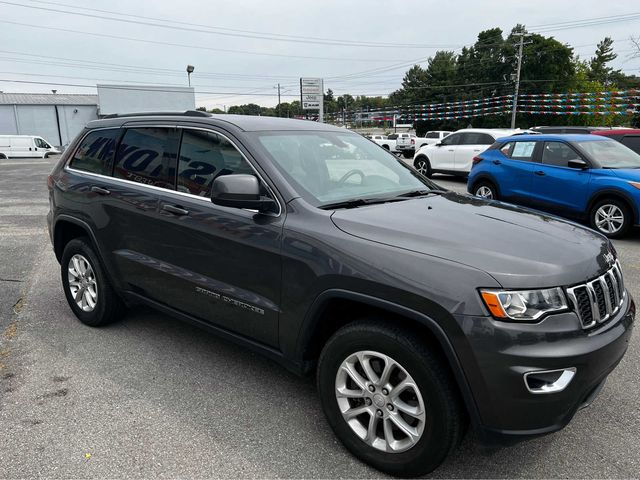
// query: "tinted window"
[[205, 156], [559, 154], [433, 135], [452, 139], [476, 138], [633, 142], [95, 152], [147, 155], [393, 136]]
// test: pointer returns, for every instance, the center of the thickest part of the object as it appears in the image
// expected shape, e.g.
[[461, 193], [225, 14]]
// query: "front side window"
[[558, 154], [328, 167], [204, 156], [453, 139], [148, 155], [610, 154], [40, 143], [95, 152]]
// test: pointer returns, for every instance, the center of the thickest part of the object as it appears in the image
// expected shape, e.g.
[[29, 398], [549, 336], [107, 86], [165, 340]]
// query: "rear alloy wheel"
[[485, 190], [423, 166], [611, 218]]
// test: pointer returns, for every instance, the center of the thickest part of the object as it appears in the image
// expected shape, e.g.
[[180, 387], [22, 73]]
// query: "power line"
[[208, 30], [191, 47]]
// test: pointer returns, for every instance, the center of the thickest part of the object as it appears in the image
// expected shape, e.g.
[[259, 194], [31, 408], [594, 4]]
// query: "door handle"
[[540, 173], [497, 162], [452, 150], [100, 190], [175, 210]]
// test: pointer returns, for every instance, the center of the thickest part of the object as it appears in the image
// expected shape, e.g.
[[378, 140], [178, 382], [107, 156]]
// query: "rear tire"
[[423, 166], [373, 435], [611, 217], [485, 189], [407, 153], [386, 147], [86, 286]]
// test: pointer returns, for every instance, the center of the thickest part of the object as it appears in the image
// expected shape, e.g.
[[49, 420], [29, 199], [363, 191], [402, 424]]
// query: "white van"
[[25, 146]]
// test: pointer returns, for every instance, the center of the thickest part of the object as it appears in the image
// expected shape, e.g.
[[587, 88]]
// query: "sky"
[[242, 49]]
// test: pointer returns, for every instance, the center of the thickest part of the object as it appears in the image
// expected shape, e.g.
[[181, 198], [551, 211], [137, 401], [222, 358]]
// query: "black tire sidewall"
[[489, 185], [625, 211], [420, 458], [427, 162], [97, 315]]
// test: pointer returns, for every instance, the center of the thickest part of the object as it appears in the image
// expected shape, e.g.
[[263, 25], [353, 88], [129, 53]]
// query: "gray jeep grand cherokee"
[[420, 310]]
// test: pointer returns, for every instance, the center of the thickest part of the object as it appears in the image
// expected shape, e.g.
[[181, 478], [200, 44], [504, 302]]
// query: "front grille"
[[599, 299]]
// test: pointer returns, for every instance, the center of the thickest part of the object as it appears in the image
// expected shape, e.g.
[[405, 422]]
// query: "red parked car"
[[629, 137]]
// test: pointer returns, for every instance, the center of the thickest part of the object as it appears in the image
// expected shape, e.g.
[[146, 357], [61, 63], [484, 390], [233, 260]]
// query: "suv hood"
[[520, 248]]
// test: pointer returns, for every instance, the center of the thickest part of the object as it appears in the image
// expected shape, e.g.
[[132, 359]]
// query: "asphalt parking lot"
[[152, 397]]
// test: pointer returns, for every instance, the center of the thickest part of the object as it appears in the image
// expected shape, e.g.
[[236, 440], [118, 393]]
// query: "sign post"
[[312, 95]]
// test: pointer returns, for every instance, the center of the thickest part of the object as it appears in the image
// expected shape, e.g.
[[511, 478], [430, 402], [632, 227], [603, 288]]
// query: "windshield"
[[330, 167], [611, 154]]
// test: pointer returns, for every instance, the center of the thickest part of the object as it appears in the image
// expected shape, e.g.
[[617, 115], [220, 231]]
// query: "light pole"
[[190, 69]]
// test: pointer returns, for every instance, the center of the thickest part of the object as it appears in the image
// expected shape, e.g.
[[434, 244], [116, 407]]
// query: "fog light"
[[549, 381]]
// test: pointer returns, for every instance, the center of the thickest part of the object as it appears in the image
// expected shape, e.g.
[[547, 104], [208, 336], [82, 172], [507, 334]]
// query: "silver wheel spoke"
[[82, 283], [380, 401]]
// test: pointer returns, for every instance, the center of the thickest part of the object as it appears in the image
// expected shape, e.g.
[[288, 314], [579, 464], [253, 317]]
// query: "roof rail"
[[186, 113]]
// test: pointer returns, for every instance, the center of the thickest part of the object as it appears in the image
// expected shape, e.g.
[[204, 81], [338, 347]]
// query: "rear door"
[[514, 169], [471, 145], [221, 265], [556, 186]]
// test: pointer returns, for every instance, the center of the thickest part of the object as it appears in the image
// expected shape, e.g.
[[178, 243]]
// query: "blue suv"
[[586, 177]]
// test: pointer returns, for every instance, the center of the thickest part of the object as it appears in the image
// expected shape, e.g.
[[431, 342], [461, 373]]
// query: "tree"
[[598, 64]]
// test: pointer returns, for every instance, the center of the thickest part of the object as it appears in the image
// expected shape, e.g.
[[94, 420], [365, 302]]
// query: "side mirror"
[[578, 164], [239, 191], [438, 144]]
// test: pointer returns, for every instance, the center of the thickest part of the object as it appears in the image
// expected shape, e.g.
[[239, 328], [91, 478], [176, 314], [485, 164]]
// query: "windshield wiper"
[[423, 192], [358, 202]]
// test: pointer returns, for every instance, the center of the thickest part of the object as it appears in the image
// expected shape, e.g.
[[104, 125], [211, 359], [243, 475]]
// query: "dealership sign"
[[312, 95]]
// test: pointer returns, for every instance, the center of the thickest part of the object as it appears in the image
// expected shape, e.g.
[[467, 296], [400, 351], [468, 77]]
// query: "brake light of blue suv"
[[582, 177]]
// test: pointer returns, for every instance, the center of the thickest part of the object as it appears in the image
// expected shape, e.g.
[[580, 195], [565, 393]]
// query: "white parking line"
[[24, 163]]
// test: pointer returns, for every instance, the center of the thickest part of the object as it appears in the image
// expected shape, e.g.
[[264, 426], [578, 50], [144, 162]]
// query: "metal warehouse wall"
[[41, 120]]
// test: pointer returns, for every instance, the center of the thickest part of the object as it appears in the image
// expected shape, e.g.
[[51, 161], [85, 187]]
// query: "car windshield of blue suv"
[[611, 154], [329, 168]]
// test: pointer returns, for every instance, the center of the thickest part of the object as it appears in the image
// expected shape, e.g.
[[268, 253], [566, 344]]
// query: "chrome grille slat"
[[599, 299]]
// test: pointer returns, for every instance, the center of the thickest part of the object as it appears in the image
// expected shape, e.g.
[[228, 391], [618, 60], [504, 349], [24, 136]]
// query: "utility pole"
[[278, 99], [514, 107]]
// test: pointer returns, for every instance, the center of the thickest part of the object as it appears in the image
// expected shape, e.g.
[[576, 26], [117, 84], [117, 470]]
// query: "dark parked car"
[[586, 177], [569, 129], [418, 309], [629, 137]]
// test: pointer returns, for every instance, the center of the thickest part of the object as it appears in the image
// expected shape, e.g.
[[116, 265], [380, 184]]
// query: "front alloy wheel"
[[422, 165], [484, 191], [611, 218], [380, 401]]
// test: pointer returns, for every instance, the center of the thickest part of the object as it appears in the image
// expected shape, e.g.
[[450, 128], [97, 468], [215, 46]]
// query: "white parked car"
[[388, 143], [25, 146], [431, 138], [454, 153]]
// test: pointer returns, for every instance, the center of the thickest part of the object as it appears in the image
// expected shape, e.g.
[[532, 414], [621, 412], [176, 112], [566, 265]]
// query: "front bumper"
[[496, 355]]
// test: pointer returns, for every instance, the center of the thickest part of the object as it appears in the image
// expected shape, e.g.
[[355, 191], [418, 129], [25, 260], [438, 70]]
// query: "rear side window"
[[148, 155], [476, 138], [205, 156], [433, 135], [559, 154], [633, 142], [95, 152]]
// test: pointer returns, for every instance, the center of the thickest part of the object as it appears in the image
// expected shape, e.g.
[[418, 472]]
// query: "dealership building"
[[59, 117]]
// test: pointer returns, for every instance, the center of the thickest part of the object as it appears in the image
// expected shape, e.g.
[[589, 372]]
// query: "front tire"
[[423, 166], [389, 399], [611, 217], [86, 286]]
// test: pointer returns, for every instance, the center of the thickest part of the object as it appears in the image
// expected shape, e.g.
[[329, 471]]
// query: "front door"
[[442, 155], [221, 265], [556, 186]]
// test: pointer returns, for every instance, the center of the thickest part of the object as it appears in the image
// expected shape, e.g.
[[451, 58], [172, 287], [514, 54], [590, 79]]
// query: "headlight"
[[526, 305]]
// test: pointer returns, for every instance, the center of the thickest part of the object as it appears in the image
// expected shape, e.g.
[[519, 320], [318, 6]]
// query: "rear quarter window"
[[632, 141], [96, 151]]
